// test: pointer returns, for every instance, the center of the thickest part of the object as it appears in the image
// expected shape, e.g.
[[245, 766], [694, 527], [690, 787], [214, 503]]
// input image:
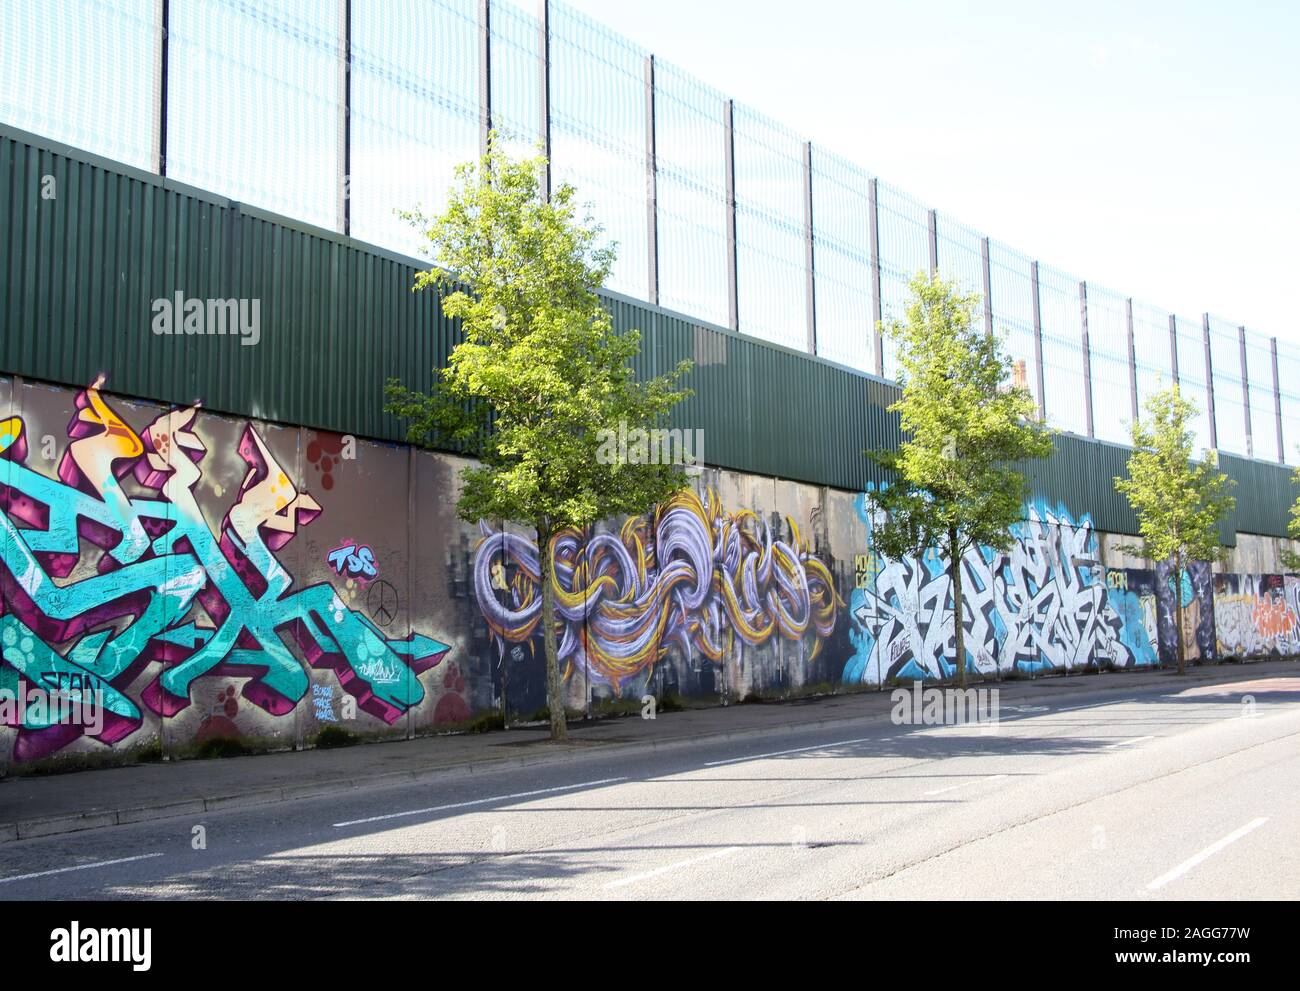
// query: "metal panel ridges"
[[78, 274]]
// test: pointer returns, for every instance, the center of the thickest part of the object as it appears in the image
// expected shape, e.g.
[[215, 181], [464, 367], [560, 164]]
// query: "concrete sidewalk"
[[59, 803]]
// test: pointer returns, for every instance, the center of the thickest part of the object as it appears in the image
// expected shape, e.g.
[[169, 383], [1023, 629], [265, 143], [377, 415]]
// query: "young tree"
[[1179, 503], [954, 487], [541, 374], [1290, 559]]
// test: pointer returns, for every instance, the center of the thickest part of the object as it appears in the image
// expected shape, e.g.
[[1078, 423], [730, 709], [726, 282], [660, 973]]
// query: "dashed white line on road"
[[480, 801], [1093, 705], [1125, 743], [78, 867], [965, 784], [783, 753], [635, 878], [1206, 854]]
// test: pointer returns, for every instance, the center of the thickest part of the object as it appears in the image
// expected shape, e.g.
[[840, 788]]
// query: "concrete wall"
[[215, 577]]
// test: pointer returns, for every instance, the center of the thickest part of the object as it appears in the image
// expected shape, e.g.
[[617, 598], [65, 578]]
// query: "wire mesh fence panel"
[[1288, 370], [842, 261], [252, 109], [1154, 358], [415, 112], [516, 80], [770, 260], [1192, 382], [690, 151], [1063, 378], [1012, 295], [961, 258], [598, 135], [1108, 344], [82, 74], [904, 251], [1229, 400], [1263, 407]]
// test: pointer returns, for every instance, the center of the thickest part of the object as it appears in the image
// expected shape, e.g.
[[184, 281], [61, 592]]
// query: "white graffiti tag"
[[1040, 605]]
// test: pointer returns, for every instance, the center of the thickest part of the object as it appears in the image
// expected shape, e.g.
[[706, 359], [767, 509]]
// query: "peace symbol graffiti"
[[381, 601]]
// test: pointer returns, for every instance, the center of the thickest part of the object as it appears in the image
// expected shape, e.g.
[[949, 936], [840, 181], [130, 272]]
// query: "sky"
[[1151, 148]]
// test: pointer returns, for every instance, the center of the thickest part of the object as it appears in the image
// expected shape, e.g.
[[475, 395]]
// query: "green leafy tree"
[[1290, 559], [1179, 503], [954, 483], [541, 377]]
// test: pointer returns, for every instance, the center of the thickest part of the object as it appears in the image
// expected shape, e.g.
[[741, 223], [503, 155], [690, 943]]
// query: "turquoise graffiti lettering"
[[125, 581]]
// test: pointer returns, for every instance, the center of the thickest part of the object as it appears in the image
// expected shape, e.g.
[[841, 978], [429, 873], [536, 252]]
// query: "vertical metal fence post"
[[1173, 346], [810, 270], [1245, 392], [873, 238], [651, 184], [343, 145], [484, 74], [1038, 342], [934, 243], [733, 299], [988, 286], [544, 83], [1087, 359], [161, 68], [1132, 360], [1277, 406], [1209, 383], [343, 155]]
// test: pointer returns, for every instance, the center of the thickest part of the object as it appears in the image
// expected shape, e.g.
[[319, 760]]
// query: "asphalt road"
[[1146, 794]]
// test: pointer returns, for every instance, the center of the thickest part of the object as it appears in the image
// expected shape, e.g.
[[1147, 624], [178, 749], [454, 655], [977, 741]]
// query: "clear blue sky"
[[1150, 147]]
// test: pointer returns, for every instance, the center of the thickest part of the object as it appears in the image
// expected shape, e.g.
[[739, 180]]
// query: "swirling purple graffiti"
[[112, 566], [688, 577]]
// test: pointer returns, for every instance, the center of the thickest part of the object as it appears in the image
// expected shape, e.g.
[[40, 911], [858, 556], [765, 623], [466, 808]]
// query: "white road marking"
[[479, 801], [1125, 743], [1206, 854], [78, 867], [965, 784], [782, 753], [713, 855], [1093, 705]]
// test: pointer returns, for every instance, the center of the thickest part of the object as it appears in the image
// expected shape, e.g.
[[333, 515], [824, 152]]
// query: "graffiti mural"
[[690, 579], [172, 567], [1257, 615], [1044, 605], [109, 564], [1196, 587], [1132, 594], [351, 561]]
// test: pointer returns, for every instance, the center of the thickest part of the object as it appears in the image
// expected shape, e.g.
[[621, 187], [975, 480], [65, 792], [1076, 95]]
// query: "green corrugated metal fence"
[[79, 271]]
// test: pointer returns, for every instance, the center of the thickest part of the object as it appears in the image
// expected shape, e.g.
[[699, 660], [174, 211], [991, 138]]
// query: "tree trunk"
[[959, 628], [554, 684], [1178, 611]]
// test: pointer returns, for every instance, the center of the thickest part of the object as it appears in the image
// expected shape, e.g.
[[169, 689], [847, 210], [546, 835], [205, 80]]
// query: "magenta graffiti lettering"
[[113, 566]]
